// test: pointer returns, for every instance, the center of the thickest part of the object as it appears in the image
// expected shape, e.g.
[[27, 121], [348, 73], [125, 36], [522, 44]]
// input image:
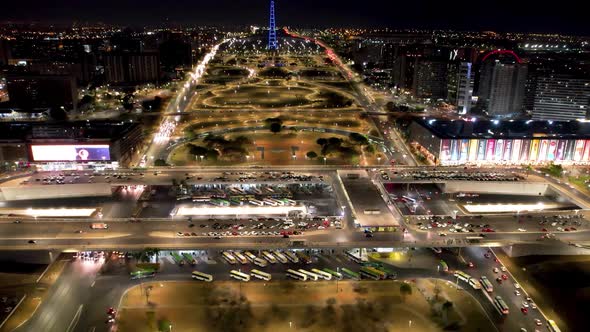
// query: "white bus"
[[310, 275], [256, 202], [202, 276], [280, 257], [241, 258], [260, 262], [269, 257], [291, 256], [260, 275], [296, 275], [270, 202], [229, 257], [323, 274], [239, 275], [251, 257]]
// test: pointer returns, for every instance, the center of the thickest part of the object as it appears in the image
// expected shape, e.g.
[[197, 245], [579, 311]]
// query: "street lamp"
[[324, 160]]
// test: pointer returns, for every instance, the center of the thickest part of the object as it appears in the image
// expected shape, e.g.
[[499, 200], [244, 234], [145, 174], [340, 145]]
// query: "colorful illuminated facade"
[[516, 142]]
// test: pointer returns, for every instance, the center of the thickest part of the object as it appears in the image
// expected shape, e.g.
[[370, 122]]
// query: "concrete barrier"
[[492, 187]]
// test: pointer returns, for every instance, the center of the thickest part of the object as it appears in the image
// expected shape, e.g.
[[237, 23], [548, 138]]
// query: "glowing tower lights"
[[272, 29]]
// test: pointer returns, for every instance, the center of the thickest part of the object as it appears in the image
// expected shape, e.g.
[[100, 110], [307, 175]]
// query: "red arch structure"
[[502, 52]]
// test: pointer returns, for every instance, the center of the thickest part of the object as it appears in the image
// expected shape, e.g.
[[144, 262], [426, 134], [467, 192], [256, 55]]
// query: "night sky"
[[565, 16]]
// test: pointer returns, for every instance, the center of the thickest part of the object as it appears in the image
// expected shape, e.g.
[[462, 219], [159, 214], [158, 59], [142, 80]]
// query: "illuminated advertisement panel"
[[579, 151], [454, 150], [560, 154], [481, 150], [534, 149], [516, 150], [586, 151], [490, 149], [473, 150], [445, 146], [70, 152], [499, 149], [569, 150], [464, 149], [525, 149], [551, 150], [544, 146], [507, 150]]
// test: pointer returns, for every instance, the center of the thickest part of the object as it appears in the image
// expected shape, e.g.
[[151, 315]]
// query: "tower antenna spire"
[[272, 29]]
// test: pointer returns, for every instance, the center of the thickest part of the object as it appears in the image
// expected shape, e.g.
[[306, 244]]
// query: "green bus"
[[371, 273], [177, 259], [143, 273], [189, 258], [389, 273], [443, 266], [335, 275], [350, 274]]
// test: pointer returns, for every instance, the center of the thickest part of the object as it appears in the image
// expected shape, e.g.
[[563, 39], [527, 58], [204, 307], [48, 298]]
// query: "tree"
[[197, 150], [160, 163], [321, 141], [446, 307], [311, 154], [164, 325], [275, 127], [359, 139], [334, 141], [405, 289]]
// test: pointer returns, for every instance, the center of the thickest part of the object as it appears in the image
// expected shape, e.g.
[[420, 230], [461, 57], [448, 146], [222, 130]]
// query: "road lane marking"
[[74, 321], [94, 282]]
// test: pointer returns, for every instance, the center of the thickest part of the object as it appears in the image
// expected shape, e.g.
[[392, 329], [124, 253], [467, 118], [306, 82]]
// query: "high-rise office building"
[[502, 88], [561, 97], [131, 67], [430, 79], [465, 82], [32, 91]]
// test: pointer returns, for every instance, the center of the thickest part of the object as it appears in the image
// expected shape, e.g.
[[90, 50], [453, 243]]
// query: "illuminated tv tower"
[[272, 29]]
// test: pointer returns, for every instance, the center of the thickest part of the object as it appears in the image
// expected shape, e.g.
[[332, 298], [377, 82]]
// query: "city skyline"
[[523, 16]]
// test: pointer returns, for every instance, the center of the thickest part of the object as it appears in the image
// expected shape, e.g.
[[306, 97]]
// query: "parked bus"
[[278, 201], [219, 202], [236, 201], [443, 266], [355, 258], [229, 257], [552, 326], [370, 272], [288, 201], [408, 199], [241, 258], [260, 262], [335, 275], [350, 274], [296, 275], [310, 275], [189, 258], [501, 305], [260, 275], [201, 199], [256, 191], [251, 257], [256, 202], [468, 279], [202, 276], [177, 259], [303, 257], [270, 202], [280, 257], [323, 274], [291, 256], [269, 257], [389, 274], [239, 275], [486, 284]]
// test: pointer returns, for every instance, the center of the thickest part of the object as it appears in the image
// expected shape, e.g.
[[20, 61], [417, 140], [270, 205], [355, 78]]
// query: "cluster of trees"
[[206, 152], [274, 72], [152, 104], [228, 149], [392, 107], [336, 145]]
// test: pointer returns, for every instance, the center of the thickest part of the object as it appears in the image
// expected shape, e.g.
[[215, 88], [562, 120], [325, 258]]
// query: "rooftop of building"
[[78, 130], [508, 129]]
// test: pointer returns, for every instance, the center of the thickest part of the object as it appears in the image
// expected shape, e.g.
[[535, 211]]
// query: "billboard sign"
[[71, 152]]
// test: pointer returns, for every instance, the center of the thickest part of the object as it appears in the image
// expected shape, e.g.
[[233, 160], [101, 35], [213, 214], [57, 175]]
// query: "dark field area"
[[565, 281]]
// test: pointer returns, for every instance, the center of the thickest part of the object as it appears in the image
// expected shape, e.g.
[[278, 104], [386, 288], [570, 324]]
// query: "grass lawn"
[[282, 306]]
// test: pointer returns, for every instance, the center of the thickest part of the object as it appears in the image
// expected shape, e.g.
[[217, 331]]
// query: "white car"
[[503, 268], [533, 305], [516, 292], [522, 230], [525, 304], [517, 286], [495, 270]]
